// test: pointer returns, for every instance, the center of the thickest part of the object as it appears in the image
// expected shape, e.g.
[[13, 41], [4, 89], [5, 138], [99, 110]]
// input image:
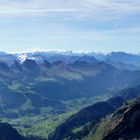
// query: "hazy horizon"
[[69, 51]]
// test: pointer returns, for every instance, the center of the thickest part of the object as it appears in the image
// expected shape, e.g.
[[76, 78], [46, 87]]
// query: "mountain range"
[[74, 94], [48, 83], [118, 58]]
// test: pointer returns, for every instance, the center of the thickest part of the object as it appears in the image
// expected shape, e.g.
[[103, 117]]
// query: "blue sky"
[[78, 25]]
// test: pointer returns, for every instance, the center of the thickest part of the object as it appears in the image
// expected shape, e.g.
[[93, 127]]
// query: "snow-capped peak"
[[22, 57]]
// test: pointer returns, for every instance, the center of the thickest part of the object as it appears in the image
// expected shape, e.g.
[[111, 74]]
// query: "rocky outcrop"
[[127, 126]]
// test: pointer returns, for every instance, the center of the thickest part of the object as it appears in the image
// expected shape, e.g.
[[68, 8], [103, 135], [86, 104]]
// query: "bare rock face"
[[127, 126]]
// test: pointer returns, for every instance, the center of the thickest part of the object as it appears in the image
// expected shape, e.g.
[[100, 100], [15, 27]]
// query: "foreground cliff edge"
[[101, 122]]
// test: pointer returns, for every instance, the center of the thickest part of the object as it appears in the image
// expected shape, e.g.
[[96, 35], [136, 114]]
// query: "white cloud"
[[109, 9]]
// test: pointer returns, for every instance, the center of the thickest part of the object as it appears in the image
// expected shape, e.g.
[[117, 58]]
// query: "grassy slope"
[[42, 125]]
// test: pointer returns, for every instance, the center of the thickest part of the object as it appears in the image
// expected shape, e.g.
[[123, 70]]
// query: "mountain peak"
[[59, 62], [30, 66], [89, 59], [46, 63]]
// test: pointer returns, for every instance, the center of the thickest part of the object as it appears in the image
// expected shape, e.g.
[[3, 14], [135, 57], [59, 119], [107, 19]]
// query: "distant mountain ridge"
[[70, 57]]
